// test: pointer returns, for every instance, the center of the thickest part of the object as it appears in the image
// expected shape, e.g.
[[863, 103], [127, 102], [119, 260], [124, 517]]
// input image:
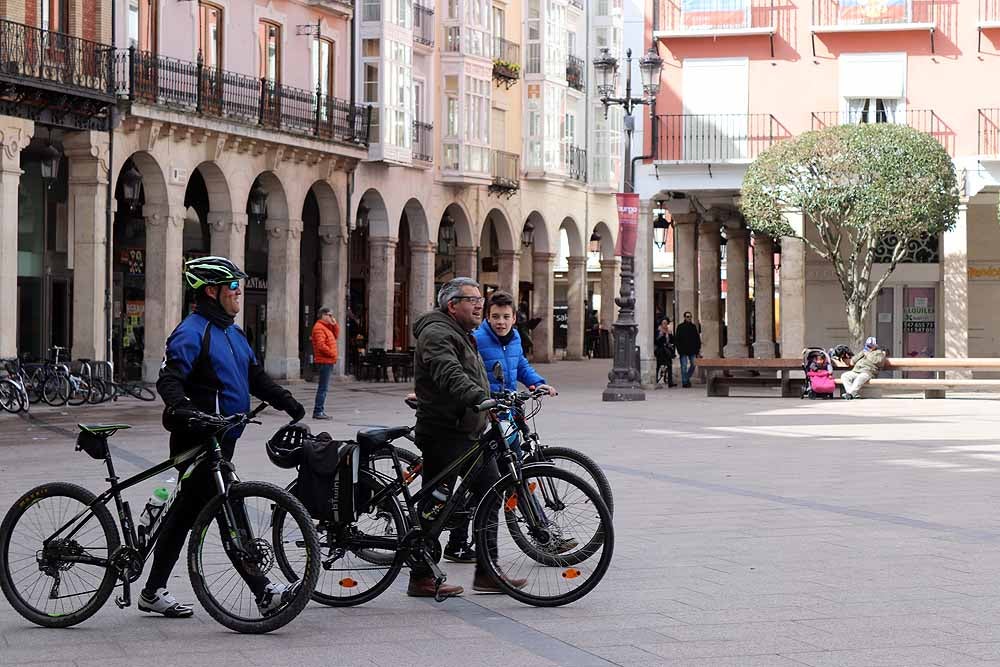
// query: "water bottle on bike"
[[150, 516]]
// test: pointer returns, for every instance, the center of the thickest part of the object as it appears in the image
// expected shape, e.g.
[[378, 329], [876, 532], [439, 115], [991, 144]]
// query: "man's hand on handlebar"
[[547, 389]]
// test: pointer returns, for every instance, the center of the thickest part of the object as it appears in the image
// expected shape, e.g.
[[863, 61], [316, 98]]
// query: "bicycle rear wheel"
[[55, 389], [553, 573], [219, 573], [38, 582], [140, 391], [80, 391], [577, 463], [10, 397], [381, 463], [99, 391], [368, 563]]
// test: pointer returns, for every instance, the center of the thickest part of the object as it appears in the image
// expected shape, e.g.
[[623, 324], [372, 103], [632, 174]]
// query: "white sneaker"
[[164, 603], [276, 597]]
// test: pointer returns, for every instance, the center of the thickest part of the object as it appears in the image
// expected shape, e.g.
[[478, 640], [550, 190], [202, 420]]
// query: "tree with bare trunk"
[[856, 186]]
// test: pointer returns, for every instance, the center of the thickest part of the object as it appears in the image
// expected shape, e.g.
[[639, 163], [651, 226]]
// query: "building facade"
[[741, 76], [349, 154]]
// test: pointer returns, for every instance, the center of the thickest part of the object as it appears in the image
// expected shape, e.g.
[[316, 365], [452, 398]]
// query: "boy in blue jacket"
[[497, 340]]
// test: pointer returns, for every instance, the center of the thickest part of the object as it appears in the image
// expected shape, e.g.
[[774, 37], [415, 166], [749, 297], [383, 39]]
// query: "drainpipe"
[[586, 147], [109, 214]]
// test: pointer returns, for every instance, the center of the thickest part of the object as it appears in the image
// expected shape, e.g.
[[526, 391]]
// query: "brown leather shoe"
[[423, 587], [484, 582]]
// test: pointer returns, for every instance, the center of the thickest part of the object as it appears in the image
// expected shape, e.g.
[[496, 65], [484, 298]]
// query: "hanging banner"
[[628, 223]]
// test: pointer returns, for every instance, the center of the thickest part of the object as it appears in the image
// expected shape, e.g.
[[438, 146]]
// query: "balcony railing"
[[57, 61], [923, 120], [989, 132], [423, 25], [423, 134], [576, 162], [215, 93], [577, 3], [713, 138], [506, 61], [505, 170], [575, 69], [848, 14], [681, 17]]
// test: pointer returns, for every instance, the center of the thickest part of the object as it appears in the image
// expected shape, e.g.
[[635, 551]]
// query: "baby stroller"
[[819, 374]]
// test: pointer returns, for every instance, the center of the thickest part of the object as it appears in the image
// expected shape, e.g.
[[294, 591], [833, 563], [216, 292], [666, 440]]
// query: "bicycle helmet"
[[203, 271], [285, 447]]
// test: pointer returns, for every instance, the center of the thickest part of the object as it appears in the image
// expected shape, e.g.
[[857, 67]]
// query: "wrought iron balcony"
[[576, 163], [506, 61], [423, 24], [923, 120], [989, 132], [423, 134], [714, 138], [505, 169], [145, 78], [575, 72], [55, 78], [848, 16]]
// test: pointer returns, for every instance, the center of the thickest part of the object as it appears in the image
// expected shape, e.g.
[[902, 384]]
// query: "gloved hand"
[[296, 411]]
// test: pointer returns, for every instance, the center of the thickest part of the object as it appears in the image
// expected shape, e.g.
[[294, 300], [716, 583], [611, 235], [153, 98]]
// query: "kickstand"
[[125, 600], [437, 589]]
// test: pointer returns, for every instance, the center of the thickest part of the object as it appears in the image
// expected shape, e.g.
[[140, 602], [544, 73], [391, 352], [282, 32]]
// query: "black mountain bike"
[[61, 554], [543, 533]]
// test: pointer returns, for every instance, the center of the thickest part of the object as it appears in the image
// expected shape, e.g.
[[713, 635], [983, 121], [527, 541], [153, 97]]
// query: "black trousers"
[[661, 361], [195, 492], [438, 453]]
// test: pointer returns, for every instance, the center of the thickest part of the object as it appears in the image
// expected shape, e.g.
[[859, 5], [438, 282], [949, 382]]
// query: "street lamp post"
[[623, 380]]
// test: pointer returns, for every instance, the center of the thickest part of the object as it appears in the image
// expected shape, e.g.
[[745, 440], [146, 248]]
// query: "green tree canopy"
[[854, 185]]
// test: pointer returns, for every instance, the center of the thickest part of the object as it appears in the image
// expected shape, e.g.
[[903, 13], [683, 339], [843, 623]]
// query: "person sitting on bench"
[[867, 365]]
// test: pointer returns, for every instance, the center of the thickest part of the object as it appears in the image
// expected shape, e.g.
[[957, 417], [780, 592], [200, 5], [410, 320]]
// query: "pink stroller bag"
[[821, 382]]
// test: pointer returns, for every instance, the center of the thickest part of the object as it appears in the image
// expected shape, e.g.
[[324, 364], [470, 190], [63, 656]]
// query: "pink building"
[[740, 75]]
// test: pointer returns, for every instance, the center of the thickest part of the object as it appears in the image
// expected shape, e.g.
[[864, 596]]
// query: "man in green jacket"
[[866, 366], [449, 380]]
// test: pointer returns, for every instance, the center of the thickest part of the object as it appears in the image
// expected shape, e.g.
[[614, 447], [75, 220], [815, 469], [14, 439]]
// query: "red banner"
[[628, 223]]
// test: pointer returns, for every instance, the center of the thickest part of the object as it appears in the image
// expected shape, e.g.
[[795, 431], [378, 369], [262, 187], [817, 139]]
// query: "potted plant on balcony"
[[504, 69], [856, 187]]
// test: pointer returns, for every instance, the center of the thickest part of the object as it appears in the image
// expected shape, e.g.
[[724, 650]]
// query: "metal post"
[[199, 80], [131, 73]]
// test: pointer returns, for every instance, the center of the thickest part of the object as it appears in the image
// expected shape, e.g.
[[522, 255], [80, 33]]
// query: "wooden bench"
[[720, 376]]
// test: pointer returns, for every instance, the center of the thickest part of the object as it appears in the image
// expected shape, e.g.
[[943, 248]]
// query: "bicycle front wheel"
[[577, 463], [80, 391], [570, 545], [55, 390], [140, 391], [228, 579], [47, 584], [10, 397]]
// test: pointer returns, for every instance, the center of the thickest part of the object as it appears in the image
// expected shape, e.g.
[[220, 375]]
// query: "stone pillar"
[[709, 287], [88, 189], [738, 289], [686, 264], [643, 284], [164, 290], [509, 268], [576, 296], [229, 240], [956, 290], [15, 134], [543, 264], [333, 285], [793, 290], [610, 277], [763, 296], [466, 261], [422, 293], [381, 290], [281, 357]]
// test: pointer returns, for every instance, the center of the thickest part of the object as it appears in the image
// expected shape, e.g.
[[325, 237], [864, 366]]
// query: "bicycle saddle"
[[102, 429], [377, 437]]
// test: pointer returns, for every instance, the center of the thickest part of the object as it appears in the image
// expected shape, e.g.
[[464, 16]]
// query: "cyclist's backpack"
[[328, 477]]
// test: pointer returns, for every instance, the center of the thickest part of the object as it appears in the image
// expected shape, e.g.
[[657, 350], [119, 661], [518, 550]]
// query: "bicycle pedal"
[[122, 602]]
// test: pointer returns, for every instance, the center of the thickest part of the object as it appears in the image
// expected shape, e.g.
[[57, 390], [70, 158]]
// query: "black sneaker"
[[460, 553]]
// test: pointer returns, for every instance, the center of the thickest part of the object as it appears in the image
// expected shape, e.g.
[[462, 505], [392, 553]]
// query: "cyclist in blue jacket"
[[497, 340]]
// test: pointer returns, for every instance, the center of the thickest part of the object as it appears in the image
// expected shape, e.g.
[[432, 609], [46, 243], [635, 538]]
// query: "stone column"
[[466, 261], [333, 285], [381, 290], [509, 268], [229, 240], [709, 287], [610, 277], [686, 264], [955, 246], [738, 289], [576, 296], [88, 190], [422, 293], [164, 291], [15, 134], [793, 290], [281, 358], [543, 264], [643, 285], [763, 297]]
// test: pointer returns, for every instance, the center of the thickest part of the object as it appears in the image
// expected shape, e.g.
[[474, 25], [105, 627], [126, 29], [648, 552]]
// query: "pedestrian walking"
[[324, 341], [687, 338], [664, 349]]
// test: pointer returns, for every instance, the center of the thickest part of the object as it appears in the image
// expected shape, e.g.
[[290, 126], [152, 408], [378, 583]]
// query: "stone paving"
[[751, 531]]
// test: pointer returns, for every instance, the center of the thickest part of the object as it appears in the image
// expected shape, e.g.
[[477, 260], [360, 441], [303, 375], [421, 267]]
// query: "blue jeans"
[[687, 368], [325, 371]]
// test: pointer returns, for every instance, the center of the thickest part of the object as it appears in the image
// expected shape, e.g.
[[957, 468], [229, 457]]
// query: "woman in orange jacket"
[[324, 341]]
